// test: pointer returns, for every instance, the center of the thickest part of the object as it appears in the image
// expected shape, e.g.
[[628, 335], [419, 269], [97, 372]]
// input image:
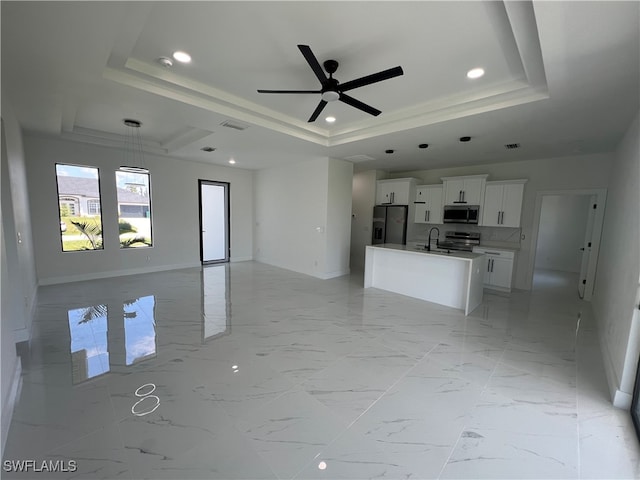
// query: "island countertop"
[[440, 252]]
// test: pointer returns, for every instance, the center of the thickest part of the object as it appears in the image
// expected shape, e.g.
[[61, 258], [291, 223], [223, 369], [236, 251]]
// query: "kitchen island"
[[454, 279]]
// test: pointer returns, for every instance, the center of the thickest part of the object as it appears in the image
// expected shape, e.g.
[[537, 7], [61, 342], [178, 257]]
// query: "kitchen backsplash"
[[489, 236]]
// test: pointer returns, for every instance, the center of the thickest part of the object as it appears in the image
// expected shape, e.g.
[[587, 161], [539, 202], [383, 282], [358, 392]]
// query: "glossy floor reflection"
[[261, 373]]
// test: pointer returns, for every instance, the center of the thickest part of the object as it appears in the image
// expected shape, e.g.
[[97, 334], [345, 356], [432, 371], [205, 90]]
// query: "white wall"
[[18, 281], [338, 231], [174, 201], [298, 226], [563, 225], [364, 197], [17, 225], [565, 173], [614, 299]]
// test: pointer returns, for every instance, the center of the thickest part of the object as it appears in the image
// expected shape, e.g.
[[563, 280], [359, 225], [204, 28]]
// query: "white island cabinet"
[[452, 279]]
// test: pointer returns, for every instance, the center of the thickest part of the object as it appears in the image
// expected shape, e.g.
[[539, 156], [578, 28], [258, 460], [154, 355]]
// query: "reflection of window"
[[93, 207], [140, 329], [134, 209], [80, 224], [89, 346]]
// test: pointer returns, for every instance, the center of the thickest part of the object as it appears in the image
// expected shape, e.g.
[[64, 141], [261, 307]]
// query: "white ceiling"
[[562, 78]]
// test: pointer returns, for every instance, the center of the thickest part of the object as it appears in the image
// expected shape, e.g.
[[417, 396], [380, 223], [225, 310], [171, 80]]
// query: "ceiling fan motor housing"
[[332, 90]]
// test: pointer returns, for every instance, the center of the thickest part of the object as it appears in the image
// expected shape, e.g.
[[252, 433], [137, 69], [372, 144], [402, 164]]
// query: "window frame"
[[125, 170], [78, 201]]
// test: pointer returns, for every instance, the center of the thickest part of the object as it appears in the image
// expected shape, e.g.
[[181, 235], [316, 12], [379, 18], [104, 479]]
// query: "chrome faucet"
[[428, 245]]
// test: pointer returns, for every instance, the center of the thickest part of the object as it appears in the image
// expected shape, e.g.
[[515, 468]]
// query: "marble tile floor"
[[247, 371]]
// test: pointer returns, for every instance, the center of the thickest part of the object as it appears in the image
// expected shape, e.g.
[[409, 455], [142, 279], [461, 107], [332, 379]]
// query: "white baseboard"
[[622, 400], [114, 273], [240, 259], [338, 273], [9, 403], [619, 398], [322, 276]]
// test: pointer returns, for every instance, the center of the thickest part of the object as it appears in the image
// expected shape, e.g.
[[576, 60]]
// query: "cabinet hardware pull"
[[425, 215], [492, 264]]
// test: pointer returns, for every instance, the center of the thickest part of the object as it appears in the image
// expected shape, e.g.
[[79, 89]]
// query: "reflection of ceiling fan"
[[332, 89]]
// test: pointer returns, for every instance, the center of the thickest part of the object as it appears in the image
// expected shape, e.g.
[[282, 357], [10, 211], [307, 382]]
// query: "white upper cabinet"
[[467, 190], [503, 203], [396, 191], [428, 204]]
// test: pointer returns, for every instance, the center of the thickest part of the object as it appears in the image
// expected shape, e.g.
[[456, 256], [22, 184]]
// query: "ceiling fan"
[[333, 90]]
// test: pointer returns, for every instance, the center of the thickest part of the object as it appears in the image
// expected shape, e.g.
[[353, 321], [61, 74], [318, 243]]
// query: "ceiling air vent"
[[511, 146], [359, 158], [235, 125]]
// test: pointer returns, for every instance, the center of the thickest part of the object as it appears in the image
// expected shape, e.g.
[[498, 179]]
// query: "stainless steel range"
[[464, 241]]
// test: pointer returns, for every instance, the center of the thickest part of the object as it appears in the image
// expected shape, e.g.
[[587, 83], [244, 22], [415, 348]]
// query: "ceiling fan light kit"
[[333, 90]]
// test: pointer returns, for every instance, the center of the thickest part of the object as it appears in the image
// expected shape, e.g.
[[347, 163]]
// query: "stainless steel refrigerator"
[[389, 224]]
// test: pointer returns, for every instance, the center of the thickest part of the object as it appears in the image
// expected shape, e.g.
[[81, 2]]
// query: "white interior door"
[[214, 221], [586, 250]]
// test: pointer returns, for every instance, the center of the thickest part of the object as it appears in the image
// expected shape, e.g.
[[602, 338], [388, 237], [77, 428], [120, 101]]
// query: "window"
[[69, 206], [134, 209], [79, 207], [93, 207]]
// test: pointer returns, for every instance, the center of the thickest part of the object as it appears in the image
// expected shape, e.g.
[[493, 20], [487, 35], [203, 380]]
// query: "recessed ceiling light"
[[232, 161], [423, 145], [475, 73], [208, 149], [389, 151], [183, 57], [330, 119], [465, 139]]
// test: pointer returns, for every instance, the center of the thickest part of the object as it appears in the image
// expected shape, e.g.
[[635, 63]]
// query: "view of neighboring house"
[[81, 197]]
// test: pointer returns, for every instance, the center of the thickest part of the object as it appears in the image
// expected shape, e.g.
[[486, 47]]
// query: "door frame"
[[227, 214], [598, 223]]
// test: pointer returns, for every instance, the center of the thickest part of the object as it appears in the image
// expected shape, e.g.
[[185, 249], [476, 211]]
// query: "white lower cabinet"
[[498, 268]]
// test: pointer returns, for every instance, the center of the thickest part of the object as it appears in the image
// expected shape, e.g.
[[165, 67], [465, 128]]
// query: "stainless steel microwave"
[[468, 214]]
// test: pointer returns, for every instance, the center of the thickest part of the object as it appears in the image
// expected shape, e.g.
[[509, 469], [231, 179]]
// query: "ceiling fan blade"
[[313, 62], [289, 91], [359, 105], [317, 111], [373, 78]]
